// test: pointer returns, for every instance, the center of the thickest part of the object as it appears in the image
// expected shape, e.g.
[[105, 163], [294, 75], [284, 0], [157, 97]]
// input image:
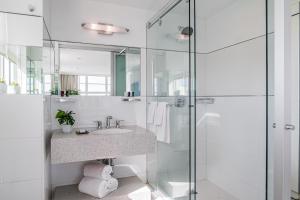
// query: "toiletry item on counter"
[[97, 180], [82, 132], [98, 170], [129, 94]]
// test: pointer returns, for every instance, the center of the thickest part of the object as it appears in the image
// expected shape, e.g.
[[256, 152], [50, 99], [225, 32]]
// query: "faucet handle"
[[99, 124], [118, 123]]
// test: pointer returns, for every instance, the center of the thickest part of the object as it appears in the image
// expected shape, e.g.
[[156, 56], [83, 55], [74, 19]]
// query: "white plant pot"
[[66, 128], [3, 88], [14, 89]]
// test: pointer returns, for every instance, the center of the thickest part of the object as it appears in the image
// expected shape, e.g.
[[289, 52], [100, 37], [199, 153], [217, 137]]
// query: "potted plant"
[[3, 86], [14, 88], [66, 120]]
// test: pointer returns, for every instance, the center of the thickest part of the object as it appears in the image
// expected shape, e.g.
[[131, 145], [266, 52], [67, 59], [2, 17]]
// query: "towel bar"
[[205, 100]]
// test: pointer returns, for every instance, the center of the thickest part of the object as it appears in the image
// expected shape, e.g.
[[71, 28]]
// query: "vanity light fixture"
[[103, 28]]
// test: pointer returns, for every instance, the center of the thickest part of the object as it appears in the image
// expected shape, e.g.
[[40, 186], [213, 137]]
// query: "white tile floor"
[[209, 191]]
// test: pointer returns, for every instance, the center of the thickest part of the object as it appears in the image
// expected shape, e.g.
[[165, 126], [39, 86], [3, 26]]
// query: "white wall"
[[232, 69], [21, 147], [66, 26], [89, 109]]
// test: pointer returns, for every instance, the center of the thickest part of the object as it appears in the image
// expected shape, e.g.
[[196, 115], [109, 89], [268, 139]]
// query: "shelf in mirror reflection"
[[65, 100], [131, 99]]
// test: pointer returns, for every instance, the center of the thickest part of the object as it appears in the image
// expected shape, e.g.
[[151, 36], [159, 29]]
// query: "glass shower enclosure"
[[170, 100], [209, 89]]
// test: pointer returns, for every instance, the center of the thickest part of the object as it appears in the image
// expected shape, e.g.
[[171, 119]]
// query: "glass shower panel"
[[169, 83], [231, 100], [270, 100]]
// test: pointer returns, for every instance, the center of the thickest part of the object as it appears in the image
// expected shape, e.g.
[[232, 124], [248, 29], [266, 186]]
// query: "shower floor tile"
[[209, 191]]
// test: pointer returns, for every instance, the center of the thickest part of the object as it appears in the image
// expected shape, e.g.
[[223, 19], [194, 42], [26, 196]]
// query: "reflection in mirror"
[[98, 70], [48, 67], [21, 69], [167, 74]]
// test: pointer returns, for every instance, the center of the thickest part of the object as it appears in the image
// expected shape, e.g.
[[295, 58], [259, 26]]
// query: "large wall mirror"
[[98, 70]]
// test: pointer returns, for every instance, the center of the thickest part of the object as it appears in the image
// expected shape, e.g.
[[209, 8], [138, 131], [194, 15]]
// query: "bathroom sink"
[[101, 144], [112, 131]]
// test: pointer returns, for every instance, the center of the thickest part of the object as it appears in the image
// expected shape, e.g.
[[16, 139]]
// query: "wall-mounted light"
[[103, 28]]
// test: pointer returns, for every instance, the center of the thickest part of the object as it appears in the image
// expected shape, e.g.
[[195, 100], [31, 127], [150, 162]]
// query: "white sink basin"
[[112, 131]]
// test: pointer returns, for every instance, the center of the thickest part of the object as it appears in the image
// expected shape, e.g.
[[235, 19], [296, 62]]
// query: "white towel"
[[112, 184], [160, 113], [94, 187], [151, 112], [163, 132], [97, 170]]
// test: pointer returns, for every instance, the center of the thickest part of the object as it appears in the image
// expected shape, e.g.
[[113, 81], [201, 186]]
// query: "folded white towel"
[[160, 113], [163, 132], [112, 184], [151, 112], [97, 170], [95, 187]]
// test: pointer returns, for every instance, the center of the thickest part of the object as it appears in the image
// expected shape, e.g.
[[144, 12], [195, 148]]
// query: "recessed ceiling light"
[[103, 28]]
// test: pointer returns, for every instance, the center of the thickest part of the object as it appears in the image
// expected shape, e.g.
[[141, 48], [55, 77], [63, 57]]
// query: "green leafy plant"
[[2, 80], [14, 84], [73, 92], [65, 117]]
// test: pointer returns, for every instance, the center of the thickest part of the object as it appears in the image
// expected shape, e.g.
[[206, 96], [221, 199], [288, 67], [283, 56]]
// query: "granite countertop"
[[70, 147]]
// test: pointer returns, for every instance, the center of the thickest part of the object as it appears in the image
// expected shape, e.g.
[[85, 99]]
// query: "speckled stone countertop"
[[70, 147]]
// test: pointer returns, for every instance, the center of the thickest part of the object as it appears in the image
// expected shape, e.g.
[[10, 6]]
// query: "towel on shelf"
[[112, 184], [94, 187], [162, 121], [151, 112], [97, 170]]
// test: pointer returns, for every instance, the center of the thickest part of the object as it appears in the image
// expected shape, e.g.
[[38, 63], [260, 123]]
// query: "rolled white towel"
[[98, 170], [94, 187], [112, 184]]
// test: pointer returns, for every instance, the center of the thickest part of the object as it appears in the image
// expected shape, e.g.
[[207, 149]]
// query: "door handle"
[[289, 127]]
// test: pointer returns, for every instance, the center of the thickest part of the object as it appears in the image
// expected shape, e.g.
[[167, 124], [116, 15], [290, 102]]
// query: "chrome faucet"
[[118, 123], [99, 124], [107, 124]]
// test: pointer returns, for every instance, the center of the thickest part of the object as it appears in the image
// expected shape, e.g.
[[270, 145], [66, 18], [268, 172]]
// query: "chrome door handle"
[[289, 127]]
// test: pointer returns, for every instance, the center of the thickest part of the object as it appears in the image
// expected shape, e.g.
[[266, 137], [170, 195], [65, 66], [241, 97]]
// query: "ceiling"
[[153, 5], [205, 8]]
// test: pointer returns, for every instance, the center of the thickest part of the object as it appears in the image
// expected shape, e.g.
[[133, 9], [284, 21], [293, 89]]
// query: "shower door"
[[170, 82], [232, 94]]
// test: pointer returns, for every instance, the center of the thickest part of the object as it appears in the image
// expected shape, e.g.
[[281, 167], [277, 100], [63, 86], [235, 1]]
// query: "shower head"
[[182, 34], [187, 31]]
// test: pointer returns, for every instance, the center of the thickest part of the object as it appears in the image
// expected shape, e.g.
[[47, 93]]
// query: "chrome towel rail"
[[205, 100]]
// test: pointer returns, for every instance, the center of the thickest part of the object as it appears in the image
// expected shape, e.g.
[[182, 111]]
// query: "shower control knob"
[[289, 127]]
